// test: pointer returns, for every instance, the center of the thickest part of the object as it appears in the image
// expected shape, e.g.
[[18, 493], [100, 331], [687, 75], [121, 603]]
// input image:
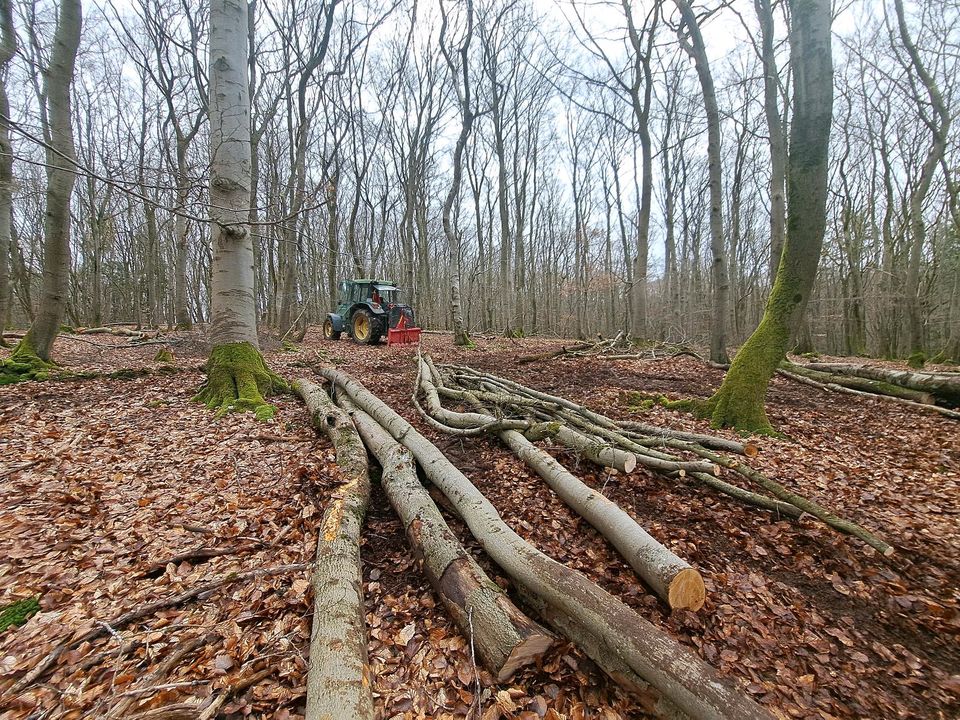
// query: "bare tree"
[[692, 42], [32, 354], [237, 377]]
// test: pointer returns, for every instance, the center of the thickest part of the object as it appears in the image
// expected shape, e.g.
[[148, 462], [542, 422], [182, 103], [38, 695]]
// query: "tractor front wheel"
[[328, 332], [363, 328]]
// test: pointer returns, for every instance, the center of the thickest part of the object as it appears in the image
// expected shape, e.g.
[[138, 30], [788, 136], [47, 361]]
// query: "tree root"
[[238, 379]]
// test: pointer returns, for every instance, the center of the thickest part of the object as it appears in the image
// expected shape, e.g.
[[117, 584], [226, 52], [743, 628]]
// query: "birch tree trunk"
[[237, 377], [34, 349]]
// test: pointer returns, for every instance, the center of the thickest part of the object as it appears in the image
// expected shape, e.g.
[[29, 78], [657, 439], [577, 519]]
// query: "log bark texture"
[[946, 387], [669, 677], [505, 638], [338, 675], [669, 576]]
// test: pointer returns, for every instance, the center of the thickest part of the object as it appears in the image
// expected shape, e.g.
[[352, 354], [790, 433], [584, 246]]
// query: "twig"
[[214, 707], [47, 662]]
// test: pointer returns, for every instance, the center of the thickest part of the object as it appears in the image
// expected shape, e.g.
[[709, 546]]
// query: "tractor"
[[368, 310]]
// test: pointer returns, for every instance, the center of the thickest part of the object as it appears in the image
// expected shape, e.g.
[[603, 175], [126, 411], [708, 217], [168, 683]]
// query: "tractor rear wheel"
[[328, 332], [364, 328]]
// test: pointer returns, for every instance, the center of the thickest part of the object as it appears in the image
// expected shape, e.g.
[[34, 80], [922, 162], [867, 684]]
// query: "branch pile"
[[616, 348], [701, 458]]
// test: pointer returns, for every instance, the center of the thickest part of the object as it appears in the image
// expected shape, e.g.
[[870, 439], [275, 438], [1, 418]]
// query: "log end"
[[889, 551], [629, 463], [686, 591], [530, 650]]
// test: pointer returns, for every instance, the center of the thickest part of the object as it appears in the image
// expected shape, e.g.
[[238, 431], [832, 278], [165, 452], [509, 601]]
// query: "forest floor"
[[104, 482]]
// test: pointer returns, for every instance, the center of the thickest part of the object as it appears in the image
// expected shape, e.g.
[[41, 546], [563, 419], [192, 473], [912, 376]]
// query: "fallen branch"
[[338, 675]]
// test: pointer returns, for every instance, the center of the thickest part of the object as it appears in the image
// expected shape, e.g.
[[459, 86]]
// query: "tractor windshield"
[[387, 294]]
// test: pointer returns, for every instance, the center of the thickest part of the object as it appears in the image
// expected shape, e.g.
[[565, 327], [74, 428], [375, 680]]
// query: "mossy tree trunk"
[[740, 400], [33, 352], [237, 377]]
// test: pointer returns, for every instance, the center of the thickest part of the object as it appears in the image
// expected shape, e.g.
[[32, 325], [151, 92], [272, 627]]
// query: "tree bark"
[[61, 174], [740, 400], [504, 637], [8, 48], [338, 676], [721, 281], [237, 377], [636, 654]]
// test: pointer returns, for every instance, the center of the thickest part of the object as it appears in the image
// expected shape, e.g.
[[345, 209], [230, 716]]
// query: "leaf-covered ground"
[[105, 482]]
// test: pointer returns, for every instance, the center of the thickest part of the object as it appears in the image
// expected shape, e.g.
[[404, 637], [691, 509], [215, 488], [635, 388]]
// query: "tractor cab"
[[367, 310]]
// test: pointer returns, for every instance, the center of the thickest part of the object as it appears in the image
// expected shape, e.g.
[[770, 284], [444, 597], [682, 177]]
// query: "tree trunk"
[[237, 377], [460, 335], [34, 349], [635, 653], [8, 48], [338, 676], [504, 637], [740, 400], [721, 282]]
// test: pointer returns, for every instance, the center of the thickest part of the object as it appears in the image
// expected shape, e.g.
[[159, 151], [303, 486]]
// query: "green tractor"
[[369, 309]]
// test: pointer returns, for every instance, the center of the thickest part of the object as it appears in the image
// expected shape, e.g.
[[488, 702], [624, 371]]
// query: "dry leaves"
[[117, 478]]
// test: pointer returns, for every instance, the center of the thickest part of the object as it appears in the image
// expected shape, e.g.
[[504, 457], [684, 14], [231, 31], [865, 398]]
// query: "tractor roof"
[[363, 281]]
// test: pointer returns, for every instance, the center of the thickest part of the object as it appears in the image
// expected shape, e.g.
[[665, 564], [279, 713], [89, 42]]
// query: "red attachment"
[[401, 334]]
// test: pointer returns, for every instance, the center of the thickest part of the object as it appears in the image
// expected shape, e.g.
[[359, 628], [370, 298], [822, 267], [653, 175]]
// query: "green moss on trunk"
[[24, 364], [164, 355], [17, 613], [238, 380]]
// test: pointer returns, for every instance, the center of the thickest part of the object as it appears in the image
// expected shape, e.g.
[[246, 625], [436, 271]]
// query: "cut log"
[[338, 675], [946, 387], [670, 577], [877, 387], [505, 638], [666, 675], [707, 441], [596, 451], [833, 387]]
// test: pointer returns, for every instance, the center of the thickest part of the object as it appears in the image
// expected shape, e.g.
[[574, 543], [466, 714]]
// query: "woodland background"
[[354, 120]]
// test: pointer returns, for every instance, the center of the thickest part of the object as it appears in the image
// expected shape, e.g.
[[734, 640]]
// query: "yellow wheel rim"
[[362, 327]]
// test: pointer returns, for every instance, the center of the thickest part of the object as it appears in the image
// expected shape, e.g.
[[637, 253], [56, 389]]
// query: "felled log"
[[671, 577], [668, 677], [707, 441], [945, 387], [876, 387], [833, 387], [505, 638], [603, 426], [338, 674], [595, 451]]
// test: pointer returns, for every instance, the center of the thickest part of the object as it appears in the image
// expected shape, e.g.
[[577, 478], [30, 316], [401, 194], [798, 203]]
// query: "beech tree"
[[740, 400], [31, 357], [237, 376], [8, 48]]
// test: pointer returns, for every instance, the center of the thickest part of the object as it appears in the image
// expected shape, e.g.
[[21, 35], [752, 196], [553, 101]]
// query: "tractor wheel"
[[328, 332], [363, 331]]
